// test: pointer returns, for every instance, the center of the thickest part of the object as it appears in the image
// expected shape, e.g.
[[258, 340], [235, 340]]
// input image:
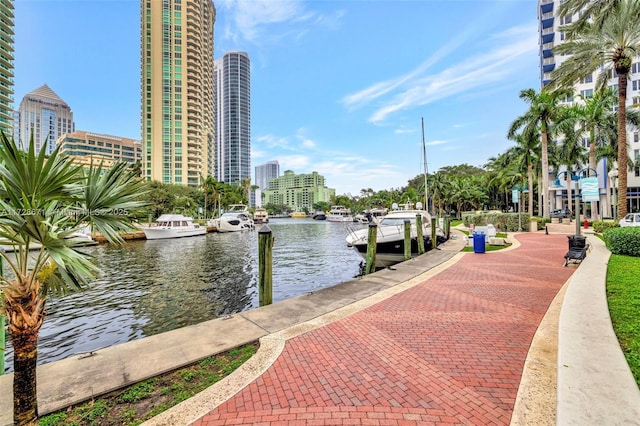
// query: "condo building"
[[233, 118], [298, 192], [44, 115], [551, 35], [176, 79], [6, 66]]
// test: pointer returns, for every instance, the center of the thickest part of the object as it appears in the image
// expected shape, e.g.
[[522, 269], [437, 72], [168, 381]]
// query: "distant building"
[[86, 144], [45, 115], [265, 172], [298, 192], [6, 66], [233, 118], [176, 81]]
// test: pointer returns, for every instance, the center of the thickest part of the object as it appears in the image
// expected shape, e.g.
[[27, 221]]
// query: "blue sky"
[[338, 87]]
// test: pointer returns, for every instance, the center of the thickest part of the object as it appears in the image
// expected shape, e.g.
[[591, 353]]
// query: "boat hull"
[[391, 252], [161, 234]]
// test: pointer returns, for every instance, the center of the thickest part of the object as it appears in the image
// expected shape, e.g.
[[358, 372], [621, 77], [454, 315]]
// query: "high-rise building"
[[551, 35], [233, 118], [176, 79], [6, 66], [265, 172], [46, 116]]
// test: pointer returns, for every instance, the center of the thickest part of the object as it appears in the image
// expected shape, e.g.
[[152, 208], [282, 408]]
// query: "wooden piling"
[[265, 266], [434, 236], [372, 242], [407, 239], [419, 234]]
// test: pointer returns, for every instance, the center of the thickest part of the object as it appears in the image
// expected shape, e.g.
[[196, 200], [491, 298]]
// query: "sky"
[[340, 87]]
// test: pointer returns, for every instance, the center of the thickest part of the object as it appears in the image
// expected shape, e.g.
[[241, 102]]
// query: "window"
[[586, 93]]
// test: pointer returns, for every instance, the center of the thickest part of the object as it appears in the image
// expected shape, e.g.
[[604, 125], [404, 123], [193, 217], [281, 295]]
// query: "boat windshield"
[[396, 221]]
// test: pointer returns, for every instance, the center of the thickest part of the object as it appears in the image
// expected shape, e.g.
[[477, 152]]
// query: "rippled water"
[[149, 287]]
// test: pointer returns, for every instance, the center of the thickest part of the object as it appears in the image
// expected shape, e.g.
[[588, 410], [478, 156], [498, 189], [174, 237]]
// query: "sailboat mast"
[[424, 158]]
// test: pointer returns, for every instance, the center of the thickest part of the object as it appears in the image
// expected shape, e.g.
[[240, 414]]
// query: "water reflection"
[[149, 287]]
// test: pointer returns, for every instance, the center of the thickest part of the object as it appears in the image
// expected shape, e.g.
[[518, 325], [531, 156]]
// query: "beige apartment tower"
[[177, 116]]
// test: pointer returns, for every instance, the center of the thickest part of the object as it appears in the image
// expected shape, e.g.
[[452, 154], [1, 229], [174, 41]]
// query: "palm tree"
[[573, 155], [207, 184], [526, 155], [595, 11], [545, 111], [611, 45], [45, 201]]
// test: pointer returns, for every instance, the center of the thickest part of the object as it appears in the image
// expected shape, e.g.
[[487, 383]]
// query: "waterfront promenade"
[[445, 338]]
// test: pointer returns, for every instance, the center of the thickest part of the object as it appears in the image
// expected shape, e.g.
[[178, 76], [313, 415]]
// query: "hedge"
[[624, 241]]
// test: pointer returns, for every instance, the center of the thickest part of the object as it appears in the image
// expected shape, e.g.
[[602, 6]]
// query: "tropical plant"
[[594, 11], [609, 43], [45, 202], [545, 111]]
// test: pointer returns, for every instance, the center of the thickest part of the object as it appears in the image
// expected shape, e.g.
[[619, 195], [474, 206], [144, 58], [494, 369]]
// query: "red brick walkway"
[[447, 351]]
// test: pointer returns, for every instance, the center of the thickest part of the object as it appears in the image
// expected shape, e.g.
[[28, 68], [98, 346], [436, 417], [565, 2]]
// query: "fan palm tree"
[[545, 111], [611, 45], [45, 201]]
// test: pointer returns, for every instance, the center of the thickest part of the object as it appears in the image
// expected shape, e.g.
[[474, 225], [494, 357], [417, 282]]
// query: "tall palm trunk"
[[25, 309], [544, 145], [622, 142]]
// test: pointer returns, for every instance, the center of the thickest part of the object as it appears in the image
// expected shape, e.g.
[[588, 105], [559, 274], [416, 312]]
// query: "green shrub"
[[504, 222], [601, 226], [624, 241]]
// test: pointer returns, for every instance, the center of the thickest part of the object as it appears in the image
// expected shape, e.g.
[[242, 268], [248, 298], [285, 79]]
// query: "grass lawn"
[[623, 296], [137, 403]]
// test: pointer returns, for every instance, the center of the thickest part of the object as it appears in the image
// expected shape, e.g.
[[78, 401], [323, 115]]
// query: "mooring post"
[[372, 242], [407, 239], [265, 266], [434, 237], [420, 234]]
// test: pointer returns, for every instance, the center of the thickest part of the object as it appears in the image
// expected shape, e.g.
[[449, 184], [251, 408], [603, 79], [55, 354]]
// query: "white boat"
[[339, 214], [82, 237], [173, 226], [236, 218], [260, 215], [390, 236], [375, 215]]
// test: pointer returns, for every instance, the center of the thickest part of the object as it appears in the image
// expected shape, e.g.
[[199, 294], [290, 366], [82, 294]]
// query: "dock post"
[[434, 237], [419, 234], [407, 239], [265, 266], [372, 241]]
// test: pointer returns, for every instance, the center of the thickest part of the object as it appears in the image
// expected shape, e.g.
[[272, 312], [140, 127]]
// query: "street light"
[[613, 175], [576, 178]]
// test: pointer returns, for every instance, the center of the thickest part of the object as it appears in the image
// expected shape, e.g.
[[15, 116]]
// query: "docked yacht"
[[236, 218], [260, 215], [390, 235], [375, 215], [173, 226], [339, 214]]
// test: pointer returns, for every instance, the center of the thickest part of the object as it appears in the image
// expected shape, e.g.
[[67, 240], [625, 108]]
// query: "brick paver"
[[447, 351]]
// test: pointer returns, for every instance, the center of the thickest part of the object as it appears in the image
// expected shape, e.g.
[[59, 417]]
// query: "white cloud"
[[270, 21], [417, 88]]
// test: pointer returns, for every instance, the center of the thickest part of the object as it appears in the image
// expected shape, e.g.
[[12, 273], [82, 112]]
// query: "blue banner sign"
[[590, 191]]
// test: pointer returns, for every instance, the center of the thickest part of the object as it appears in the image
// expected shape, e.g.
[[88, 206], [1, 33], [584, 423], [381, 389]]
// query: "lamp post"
[[613, 175]]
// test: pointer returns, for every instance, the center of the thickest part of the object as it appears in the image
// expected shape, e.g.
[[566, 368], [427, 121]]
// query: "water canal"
[[150, 287]]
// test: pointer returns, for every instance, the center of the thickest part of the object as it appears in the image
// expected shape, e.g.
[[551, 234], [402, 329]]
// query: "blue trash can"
[[478, 242]]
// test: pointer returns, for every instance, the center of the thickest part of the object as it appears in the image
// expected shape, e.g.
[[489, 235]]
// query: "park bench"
[[577, 249]]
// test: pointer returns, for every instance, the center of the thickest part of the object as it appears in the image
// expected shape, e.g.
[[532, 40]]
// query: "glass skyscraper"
[[6, 66], [233, 118]]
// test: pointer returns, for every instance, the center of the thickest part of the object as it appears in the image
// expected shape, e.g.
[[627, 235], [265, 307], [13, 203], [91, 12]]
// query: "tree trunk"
[[595, 214], [622, 144], [545, 170], [530, 183], [25, 400], [24, 307]]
